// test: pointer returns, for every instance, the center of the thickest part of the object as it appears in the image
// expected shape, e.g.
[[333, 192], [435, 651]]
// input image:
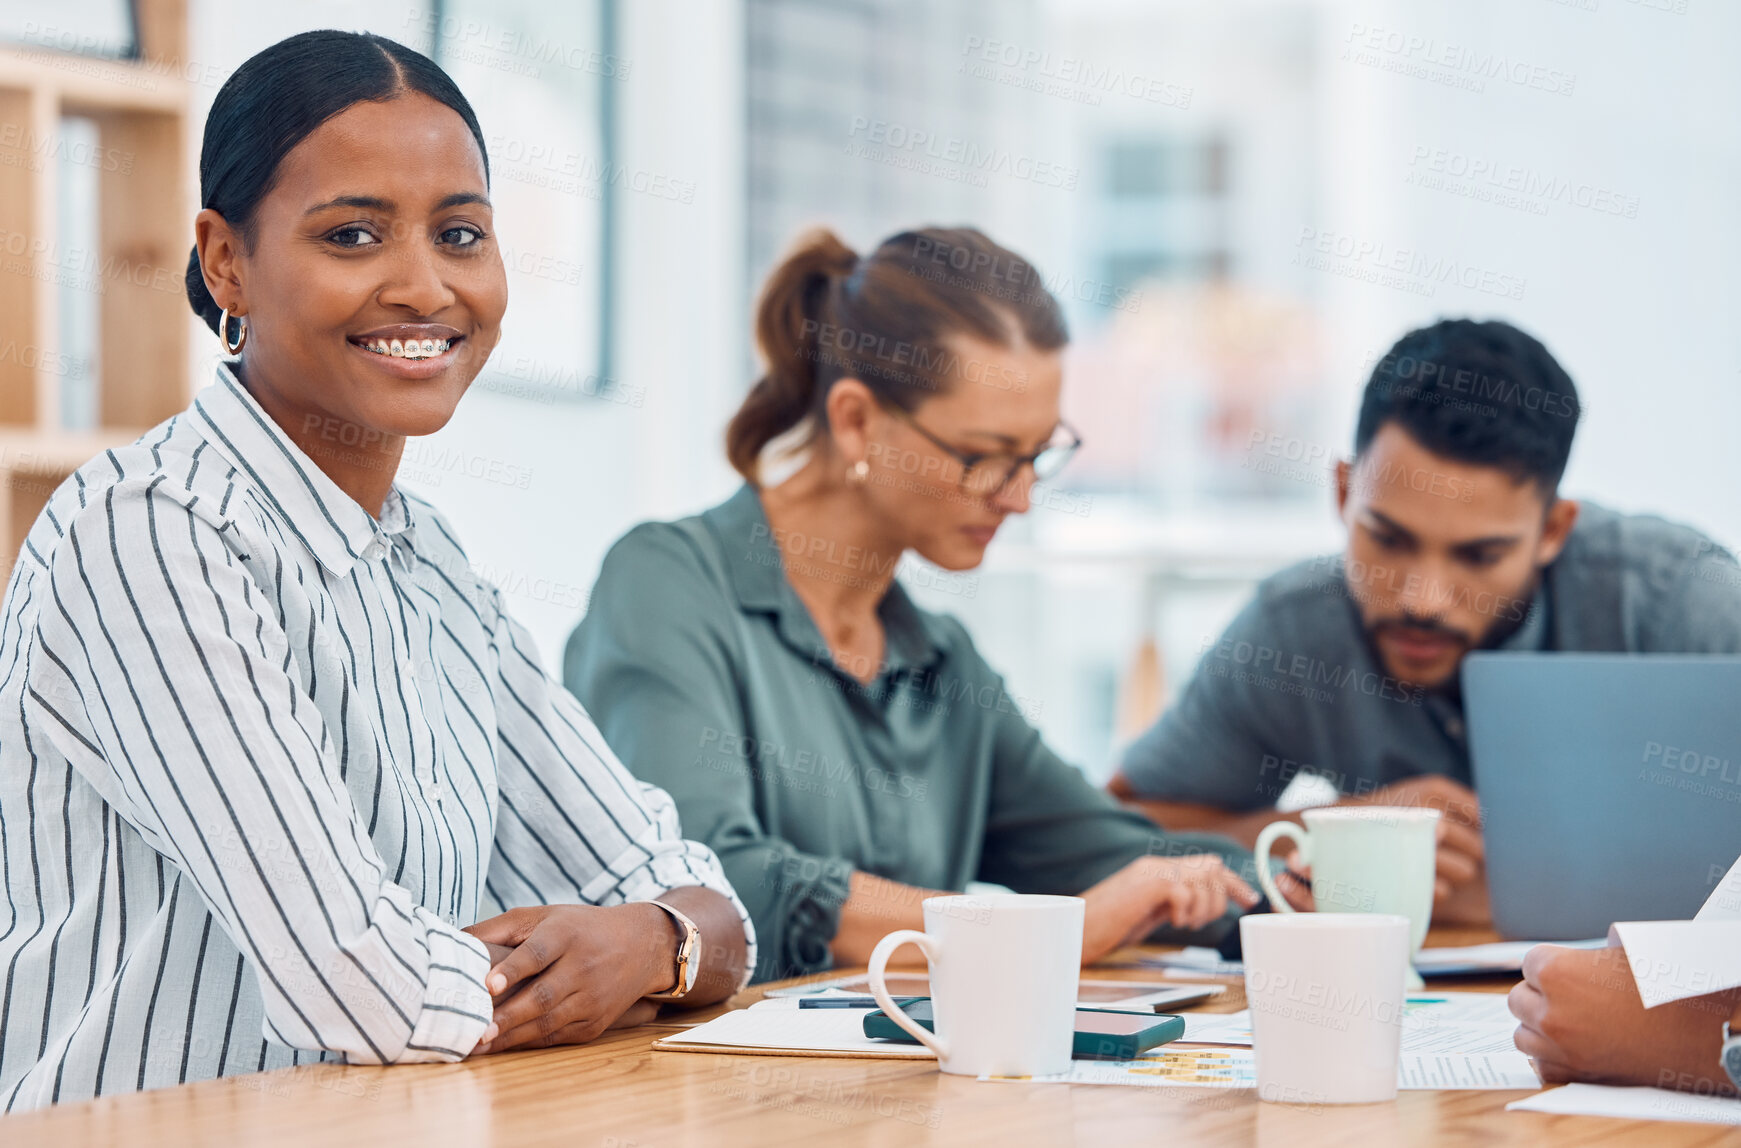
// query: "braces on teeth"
[[408, 349]]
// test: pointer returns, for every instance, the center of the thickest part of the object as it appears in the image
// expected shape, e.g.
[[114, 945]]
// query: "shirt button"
[[432, 790]]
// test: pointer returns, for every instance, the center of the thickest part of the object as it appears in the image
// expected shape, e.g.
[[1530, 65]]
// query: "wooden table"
[[618, 1093]]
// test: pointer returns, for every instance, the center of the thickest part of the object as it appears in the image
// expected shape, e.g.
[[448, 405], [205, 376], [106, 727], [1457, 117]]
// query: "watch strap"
[[688, 955], [1731, 1056]]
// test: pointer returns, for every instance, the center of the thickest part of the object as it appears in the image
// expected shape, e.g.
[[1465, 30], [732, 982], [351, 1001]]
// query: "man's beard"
[[1503, 627]]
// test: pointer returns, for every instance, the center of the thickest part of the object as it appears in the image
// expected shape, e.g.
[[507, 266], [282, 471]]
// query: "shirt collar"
[[336, 530], [758, 578]]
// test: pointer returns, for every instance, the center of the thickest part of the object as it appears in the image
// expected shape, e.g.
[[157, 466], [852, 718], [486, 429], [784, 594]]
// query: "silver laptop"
[[1610, 785]]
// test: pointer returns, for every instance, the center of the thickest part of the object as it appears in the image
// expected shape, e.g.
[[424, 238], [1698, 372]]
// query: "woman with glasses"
[[845, 753]]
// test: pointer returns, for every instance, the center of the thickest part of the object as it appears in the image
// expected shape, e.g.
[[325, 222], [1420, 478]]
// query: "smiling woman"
[[358, 267], [280, 781]]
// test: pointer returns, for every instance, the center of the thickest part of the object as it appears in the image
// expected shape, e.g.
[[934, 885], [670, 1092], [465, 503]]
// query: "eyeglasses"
[[991, 473]]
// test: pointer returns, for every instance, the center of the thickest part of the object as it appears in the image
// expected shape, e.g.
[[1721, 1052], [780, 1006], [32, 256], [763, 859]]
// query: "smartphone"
[[1101, 1033]]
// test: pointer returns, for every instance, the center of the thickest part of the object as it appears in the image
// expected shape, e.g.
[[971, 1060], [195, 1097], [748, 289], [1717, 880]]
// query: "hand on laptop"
[[1460, 887], [1582, 1020], [1187, 892]]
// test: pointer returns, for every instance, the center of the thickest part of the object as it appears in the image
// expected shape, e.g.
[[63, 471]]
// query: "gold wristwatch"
[[688, 956]]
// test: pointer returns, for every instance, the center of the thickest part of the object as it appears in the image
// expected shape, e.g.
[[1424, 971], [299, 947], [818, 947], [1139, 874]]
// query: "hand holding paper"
[[1674, 960], [1582, 1019]]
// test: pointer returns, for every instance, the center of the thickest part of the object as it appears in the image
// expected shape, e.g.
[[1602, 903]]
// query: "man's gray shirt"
[[1294, 686]]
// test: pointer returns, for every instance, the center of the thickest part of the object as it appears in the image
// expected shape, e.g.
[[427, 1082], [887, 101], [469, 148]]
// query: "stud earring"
[[858, 472], [224, 331]]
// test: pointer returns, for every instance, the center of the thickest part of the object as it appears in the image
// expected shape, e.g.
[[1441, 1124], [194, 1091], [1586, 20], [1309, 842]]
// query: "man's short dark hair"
[[1485, 394]]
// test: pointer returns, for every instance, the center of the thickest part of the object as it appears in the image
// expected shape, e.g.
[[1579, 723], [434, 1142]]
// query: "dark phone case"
[[1087, 1045]]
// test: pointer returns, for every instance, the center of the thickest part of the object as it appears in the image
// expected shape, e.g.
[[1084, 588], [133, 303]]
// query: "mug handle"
[[880, 990], [1273, 832]]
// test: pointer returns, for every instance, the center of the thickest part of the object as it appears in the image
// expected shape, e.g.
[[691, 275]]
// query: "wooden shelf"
[[90, 84], [135, 268]]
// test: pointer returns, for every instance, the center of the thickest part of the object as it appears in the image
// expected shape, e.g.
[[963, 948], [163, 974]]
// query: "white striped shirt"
[[261, 756]]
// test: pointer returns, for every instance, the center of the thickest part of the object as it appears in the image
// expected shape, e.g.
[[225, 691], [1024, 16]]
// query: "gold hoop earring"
[[224, 331], [858, 472]]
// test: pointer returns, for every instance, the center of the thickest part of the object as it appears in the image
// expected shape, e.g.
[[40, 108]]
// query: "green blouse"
[[709, 678]]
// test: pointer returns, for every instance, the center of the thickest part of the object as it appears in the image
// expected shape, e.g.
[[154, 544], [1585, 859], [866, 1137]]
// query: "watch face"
[[1732, 1062]]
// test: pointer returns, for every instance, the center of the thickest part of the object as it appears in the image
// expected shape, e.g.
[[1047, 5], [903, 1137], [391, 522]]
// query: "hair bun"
[[823, 251]]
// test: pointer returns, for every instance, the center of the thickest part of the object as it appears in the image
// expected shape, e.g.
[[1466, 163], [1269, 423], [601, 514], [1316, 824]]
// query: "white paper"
[[1632, 1103], [1428, 1009], [1673, 960], [780, 1023], [1237, 1068], [1461, 1024], [1724, 903], [1132, 996], [1196, 959], [1456, 1024], [1232, 1028], [1167, 1067], [1450, 1071]]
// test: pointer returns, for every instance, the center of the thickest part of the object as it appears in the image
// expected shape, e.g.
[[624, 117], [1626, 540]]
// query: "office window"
[[541, 78], [87, 27], [1163, 210], [1142, 169], [1137, 169], [822, 80]]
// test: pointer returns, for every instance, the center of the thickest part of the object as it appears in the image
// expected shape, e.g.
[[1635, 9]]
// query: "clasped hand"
[[563, 974]]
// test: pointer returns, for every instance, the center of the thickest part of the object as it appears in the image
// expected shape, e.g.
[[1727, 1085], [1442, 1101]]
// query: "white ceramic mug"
[[1364, 859], [1004, 968], [1327, 998]]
